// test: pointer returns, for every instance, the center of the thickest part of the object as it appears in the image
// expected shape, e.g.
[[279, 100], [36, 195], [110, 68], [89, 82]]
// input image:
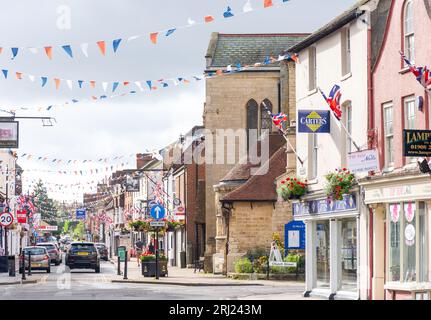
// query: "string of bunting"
[[103, 45], [154, 85]]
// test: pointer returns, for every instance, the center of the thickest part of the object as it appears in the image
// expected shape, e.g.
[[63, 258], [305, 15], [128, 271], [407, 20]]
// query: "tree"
[[43, 203], [78, 232]]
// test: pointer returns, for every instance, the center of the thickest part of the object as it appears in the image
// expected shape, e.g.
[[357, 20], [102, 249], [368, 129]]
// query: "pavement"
[[5, 279], [65, 284], [187, 277]]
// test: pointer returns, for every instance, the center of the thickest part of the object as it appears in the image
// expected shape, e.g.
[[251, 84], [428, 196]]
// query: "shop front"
[[400, 205], [332, 242]]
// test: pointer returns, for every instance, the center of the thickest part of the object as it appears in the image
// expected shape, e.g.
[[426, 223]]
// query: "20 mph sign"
[[6, 219]]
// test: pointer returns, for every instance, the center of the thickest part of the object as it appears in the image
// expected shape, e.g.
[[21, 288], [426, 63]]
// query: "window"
[[349, 258], [408, 259], [312, 71], [322, 254], [408, 29], [346, 52], [348, 122], [252, 118], [389, 134], [312, 163], [265, 118], [410, 112]]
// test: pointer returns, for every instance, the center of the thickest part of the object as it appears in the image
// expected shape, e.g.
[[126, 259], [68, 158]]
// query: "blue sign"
[[294, 235], [80, 214], [311, 121], [158, 212]]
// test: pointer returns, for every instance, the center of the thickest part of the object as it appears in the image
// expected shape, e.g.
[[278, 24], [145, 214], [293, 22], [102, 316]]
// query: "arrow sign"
[[158, 212]]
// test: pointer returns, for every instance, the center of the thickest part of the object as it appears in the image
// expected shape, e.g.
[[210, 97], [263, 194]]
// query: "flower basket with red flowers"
[[339, 183], [292, 188]]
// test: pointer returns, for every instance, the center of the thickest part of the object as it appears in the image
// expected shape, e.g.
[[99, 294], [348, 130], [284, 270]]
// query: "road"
[[61, 284]]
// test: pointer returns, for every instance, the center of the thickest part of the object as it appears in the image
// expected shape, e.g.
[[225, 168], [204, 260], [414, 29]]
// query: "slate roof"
[[230, 49], [261, 187]]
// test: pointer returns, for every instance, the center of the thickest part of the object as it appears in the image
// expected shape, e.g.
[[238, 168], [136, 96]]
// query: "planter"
[[149, 268]]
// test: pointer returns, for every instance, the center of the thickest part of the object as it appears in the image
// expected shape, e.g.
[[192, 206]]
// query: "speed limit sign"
[[6, 219]]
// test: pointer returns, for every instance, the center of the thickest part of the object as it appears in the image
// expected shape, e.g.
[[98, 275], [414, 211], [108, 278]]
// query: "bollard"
[[23, 266], [29, 263], [125, 267], [118, 266], [268, 269]]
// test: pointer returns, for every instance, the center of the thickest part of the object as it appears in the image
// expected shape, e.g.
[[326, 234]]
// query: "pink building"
[[399, 195]]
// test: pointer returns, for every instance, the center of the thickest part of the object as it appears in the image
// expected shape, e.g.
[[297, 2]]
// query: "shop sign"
[[398, 193], [48, 228], [313, 121], [417, 143], [21, 216], [9, 132], [325, 206], [294, 233], [363, 161]]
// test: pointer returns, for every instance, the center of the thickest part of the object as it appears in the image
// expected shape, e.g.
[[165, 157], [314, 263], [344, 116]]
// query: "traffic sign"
[[158, 212], [157, 223], [6, 219]]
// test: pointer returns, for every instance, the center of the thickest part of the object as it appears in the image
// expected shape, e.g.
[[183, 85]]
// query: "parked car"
[[40, 259], [53, 251], [103, 251], [83, 255]]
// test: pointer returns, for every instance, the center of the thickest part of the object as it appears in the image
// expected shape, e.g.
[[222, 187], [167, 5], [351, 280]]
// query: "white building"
[[335, 230]]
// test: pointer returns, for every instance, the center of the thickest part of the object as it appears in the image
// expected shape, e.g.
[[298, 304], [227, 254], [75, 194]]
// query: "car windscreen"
[[47, 246], [35, 251], [100, 246], [83, 247]]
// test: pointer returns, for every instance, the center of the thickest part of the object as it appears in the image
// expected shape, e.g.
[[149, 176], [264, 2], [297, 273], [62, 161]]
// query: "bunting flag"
[[18, 75], [153, 37], [68, 48], [93, 84], [57, 83], [44, 81], [48, 51], [4, 73], [102, 47]]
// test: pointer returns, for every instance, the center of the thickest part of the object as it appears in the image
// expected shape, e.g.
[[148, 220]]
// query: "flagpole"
[[284, 134]]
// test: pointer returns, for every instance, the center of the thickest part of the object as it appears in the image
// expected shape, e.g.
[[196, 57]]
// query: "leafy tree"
[[78, 232]]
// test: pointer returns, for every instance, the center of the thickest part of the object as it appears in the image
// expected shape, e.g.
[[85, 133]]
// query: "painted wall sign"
[[325, 206], [363, 161], [311, 121], [417, 143]]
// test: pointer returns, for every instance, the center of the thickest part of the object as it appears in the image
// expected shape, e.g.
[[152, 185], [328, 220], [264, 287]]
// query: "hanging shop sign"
[[294, 233], [325, 206], [131, 184], [47, 228], [313, 121], [417, 143], [363, 161], [9, 131]]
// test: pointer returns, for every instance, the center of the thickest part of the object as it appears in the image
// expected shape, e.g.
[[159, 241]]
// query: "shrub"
[[243, 266], [339, 183], [292, 188]]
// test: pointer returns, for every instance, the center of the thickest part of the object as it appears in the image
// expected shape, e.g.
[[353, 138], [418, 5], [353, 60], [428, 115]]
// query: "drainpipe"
[[371, 230]]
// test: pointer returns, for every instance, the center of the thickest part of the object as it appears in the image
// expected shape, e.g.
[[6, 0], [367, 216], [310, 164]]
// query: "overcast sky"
[[134, 123]]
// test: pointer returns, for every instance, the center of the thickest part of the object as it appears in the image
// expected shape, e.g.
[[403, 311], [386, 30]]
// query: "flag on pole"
[[422, 74], [334, 101]]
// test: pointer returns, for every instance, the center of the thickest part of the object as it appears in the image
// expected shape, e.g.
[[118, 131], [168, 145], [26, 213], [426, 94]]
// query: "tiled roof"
[[261, 186], [230, 49]]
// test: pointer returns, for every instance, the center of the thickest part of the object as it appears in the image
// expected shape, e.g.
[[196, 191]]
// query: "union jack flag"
[[422, 74], [334, 101], [279, 119]]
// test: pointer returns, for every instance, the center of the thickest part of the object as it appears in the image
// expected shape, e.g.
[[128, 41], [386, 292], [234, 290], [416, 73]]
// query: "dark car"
[[83, 255], [103, 251]]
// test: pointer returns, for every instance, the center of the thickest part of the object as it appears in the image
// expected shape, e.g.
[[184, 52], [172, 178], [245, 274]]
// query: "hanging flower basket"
[[339, 183], [292, 189]]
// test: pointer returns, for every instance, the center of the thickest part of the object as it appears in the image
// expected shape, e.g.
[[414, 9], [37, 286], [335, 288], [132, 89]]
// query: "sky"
[[133, 123]]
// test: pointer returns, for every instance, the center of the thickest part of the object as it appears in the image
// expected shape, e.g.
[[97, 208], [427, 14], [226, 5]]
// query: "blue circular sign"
[[158, 212]]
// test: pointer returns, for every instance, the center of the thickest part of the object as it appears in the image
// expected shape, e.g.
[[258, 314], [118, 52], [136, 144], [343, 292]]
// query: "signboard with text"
[[294, 233], [21, 216], [312, 121], [47, 228], [9, 132], [417, 143], [80, 214], [363, 161]]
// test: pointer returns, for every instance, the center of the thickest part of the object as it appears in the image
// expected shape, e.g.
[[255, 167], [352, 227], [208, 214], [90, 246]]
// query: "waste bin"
[[4, 268], [11, 265], [183, 259], [122, 253]]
